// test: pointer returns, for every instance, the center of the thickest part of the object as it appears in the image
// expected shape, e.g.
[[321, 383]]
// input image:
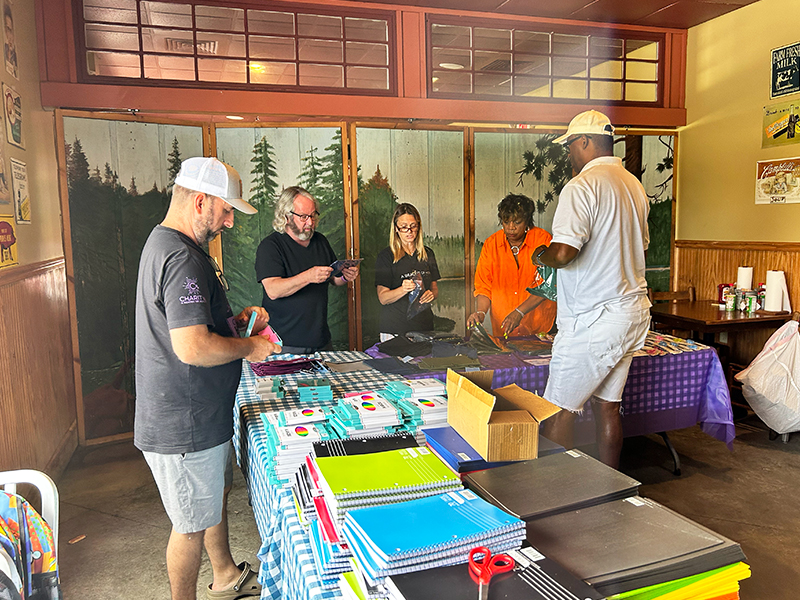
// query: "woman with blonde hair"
[[401, 268]]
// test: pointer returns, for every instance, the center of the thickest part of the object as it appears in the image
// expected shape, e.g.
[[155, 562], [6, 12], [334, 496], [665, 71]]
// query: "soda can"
[[751, 302], [730, 302]]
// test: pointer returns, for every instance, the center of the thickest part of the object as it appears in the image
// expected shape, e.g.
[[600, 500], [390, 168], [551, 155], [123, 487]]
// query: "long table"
[[663, 393]]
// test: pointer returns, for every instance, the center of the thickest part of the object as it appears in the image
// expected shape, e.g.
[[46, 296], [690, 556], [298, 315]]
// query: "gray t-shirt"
[[179, 408]]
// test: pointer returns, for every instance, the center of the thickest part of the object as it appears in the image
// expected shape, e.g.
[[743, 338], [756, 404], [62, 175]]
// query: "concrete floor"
[[749, 495]]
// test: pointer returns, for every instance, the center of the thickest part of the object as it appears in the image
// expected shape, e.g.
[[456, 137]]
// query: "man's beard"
[[299, 233], [203, 231]]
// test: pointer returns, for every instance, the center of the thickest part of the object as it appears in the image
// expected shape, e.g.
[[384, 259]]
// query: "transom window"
[[525, 64], [231, 46]]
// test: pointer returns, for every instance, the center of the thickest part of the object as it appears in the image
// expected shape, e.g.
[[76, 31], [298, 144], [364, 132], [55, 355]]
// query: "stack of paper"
[[289, 446], [414, 388], [317, 389], [421, 412], [551, 484], [427, 532], [269, 388], [717, 584], [365, 414], [643, 544], [349, 482], [535, 577], [456, 452]]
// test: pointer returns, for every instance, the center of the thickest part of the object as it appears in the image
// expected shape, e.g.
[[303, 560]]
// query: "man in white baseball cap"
[[599, 241], [188, 364]]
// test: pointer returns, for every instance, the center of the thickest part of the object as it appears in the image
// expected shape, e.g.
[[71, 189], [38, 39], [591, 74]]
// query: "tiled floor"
[[750, 495]]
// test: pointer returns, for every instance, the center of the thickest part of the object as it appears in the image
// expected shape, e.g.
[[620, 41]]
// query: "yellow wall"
[[727, 86], [41, 240]]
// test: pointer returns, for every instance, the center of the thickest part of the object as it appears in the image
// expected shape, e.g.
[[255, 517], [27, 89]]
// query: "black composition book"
[[551, 484], [535, 577]]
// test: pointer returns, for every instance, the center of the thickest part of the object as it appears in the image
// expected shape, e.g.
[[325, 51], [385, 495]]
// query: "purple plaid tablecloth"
[[663, 393]]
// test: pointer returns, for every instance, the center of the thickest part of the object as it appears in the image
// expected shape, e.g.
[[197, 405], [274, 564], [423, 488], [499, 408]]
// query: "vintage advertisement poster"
[[778, 181], [785, 77], [13, 111], [8, 242], [780, 126], [22, 202], [6, 203], [9, 42]]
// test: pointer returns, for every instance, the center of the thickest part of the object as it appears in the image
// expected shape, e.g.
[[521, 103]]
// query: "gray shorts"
[[192, 485]]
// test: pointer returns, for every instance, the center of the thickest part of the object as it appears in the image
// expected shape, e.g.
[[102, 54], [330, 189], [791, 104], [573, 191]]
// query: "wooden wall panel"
[[705, 264], [37, 395]]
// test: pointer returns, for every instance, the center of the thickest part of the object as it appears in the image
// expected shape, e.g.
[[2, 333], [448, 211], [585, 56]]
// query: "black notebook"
[[551, 484], [535, 577], [632, 543], [369, 445]]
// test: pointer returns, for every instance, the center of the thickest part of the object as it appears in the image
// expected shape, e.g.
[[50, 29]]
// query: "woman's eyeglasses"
[[305, 218], [406, 228], [218, 271]]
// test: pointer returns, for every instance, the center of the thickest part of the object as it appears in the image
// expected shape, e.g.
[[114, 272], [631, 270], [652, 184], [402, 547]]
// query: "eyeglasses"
[[407, 228], [305, 218], [223, 282], [572, 141]]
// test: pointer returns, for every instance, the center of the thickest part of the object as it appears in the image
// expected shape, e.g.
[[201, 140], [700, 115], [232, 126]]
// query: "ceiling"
[[678, 14]]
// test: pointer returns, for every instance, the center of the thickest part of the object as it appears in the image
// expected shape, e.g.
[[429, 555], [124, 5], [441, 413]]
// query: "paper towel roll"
[[776, 283], [744, 278]]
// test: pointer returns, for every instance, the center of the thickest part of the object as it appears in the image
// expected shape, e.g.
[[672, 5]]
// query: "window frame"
[[382, 15]]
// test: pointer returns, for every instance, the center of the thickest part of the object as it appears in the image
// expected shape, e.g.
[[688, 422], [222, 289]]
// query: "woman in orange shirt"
[[505, 269]]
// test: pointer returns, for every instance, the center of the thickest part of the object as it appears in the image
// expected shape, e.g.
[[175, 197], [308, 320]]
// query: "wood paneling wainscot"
[[37, 394], [705, 264]]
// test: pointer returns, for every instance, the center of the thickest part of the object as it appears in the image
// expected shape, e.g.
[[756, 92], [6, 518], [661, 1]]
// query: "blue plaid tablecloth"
[[287, 570]]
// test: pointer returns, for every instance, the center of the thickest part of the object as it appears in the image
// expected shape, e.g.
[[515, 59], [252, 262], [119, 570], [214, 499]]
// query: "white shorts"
[[594, 360], [192, 485]]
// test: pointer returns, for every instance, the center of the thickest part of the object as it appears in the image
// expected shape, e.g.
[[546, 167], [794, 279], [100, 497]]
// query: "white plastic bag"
[[771, 383]]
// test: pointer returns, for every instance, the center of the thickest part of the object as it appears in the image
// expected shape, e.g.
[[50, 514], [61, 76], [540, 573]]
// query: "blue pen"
[[250, 324]]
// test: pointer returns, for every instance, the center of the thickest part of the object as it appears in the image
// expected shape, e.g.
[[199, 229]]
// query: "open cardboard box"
[[501, 424]]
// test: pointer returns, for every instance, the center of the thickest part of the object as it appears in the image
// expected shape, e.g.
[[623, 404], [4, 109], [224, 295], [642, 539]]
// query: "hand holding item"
[[512, 321], [349, 274], [408, 285], [318, 274], [427, 297], [244, 317], [261, 348], [477, 317]]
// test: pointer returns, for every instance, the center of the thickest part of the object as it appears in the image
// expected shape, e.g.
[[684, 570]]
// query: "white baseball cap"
[[212, 176], [590, 122]]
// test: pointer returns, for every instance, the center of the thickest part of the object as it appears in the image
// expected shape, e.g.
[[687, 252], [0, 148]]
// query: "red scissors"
[[486, 567]]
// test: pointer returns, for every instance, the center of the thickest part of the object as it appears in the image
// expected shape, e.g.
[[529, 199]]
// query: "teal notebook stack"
[[288, 446], [366, 414], [428, 532], [414, 388], [269, 388], [423, 412], [349, 482]]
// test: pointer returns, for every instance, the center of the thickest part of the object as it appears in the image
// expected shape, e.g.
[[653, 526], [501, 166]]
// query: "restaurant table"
[[663, 393], [708, 319]]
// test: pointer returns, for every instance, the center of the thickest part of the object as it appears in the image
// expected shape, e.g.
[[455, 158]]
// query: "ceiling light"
[[451, 66], [234, 118]]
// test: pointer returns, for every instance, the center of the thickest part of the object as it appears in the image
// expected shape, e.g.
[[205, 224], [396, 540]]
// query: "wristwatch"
[[538, 257]]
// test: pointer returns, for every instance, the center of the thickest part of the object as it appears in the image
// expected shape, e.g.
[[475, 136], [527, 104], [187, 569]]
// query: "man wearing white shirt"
[[600, 237]]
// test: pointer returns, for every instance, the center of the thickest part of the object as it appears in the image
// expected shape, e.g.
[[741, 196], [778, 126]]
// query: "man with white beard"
[[293, 265]]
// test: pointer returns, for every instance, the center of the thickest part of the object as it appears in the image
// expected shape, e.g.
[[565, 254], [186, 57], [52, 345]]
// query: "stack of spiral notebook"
[[427, 532]]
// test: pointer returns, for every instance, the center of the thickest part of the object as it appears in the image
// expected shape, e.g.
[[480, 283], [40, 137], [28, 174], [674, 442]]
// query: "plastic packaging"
[[548, 287]]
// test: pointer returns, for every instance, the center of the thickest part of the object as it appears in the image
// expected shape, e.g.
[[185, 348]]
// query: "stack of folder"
[[717, 584], [289, 446], [365, 414], [331, 558], [433, 531], [551, 484], [269, 388], [629, 544], [317, 389], [535, 577], [456, 452]]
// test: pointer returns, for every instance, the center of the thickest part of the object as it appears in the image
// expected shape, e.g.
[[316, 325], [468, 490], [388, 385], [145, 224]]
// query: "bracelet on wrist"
[[481, 312], [520, 312]]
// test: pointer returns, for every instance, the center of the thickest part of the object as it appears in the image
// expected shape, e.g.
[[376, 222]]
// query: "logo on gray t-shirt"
[[194, 297]]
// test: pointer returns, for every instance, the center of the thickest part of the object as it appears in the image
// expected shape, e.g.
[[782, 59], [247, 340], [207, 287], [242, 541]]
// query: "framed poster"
[[9, 41], [13, 116], [22, 202], [6, 203], [778, 181], [8, 242], [785, 72], [781, 124]]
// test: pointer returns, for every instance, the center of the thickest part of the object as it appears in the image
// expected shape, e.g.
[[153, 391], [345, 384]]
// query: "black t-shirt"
[[391, 274], [302, 318], [179, 407]]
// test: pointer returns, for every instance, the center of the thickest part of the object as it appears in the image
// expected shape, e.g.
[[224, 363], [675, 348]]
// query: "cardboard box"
[[501, 424]]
